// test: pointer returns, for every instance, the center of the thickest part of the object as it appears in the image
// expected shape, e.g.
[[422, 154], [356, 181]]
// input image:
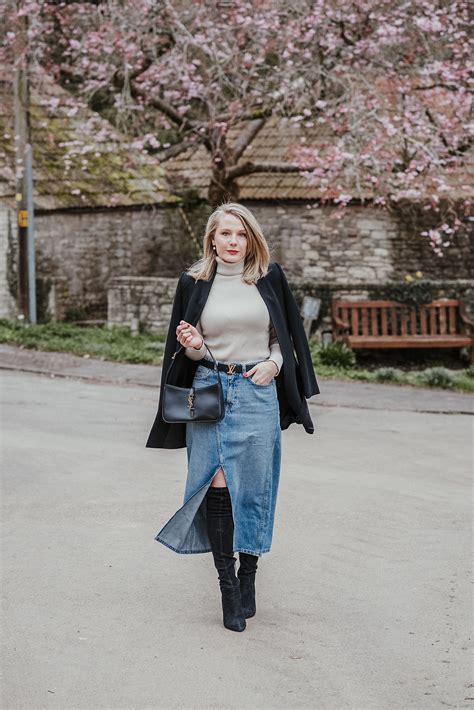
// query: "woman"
[[237, 304]]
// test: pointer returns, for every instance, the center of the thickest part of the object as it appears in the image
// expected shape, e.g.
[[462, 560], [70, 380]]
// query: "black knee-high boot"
[[246, 575], [220, 528]]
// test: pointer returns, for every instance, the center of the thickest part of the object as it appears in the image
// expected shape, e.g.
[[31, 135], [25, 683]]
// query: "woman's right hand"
[[188, 336]]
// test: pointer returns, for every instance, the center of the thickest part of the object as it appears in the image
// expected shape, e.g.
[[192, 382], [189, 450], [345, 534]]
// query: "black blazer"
[[296, 380]]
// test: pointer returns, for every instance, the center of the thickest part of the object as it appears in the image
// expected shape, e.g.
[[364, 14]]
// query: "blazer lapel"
[[198, 300], [271, 302]]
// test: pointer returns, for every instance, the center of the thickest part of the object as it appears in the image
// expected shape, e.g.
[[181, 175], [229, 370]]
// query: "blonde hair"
[[257, 255]]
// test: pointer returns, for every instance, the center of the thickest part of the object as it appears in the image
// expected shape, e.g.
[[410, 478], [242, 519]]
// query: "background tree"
[[385, 89]]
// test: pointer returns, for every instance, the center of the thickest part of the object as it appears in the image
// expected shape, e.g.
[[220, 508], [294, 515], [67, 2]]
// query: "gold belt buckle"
[[231, 368]]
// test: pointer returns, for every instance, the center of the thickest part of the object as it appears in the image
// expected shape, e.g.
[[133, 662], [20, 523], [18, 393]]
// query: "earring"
[[214, 247]]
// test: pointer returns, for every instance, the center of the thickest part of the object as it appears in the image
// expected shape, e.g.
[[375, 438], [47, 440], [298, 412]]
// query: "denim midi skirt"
[[246, 443]]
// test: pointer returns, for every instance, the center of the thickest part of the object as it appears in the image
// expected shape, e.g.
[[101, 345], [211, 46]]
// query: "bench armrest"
[[341, 323], [464, 317]]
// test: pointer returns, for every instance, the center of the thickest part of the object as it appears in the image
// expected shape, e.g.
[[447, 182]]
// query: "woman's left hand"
[[265, 371]]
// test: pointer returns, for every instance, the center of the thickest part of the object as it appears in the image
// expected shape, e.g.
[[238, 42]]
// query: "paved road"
[[363, 602]]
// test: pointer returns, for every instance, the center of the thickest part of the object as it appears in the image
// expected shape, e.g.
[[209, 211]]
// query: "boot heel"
[[246, 575], [233, 614], [247, 594]]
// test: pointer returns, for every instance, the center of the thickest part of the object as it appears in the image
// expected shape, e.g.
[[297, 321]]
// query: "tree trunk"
[[221, 188]]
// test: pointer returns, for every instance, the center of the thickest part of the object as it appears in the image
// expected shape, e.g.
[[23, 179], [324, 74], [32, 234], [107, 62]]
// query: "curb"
[[334, 393]]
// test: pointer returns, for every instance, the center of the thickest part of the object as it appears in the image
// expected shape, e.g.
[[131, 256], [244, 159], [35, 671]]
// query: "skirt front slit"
[[246, 444]]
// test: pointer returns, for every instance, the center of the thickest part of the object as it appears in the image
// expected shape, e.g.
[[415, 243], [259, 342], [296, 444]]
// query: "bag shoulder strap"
[[182, 349]]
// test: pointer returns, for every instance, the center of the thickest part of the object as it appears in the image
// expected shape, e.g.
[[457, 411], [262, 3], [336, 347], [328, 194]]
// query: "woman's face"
[[230, 238]]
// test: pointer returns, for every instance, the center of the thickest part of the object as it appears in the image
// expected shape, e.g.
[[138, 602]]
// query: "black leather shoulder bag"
[[190, 404]]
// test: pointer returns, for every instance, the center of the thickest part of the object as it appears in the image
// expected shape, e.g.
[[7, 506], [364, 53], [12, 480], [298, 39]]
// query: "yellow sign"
[[23, 218]]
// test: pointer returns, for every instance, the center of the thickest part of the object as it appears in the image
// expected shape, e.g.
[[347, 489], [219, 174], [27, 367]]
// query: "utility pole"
[[24, 177], [30, 234]]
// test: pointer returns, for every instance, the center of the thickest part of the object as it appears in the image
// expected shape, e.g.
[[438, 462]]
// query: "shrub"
[[437, 377], [336, 355], [360, 375], [470, 371], [388, 374]]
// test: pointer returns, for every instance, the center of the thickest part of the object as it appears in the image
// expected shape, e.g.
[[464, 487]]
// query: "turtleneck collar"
[[227, 269]]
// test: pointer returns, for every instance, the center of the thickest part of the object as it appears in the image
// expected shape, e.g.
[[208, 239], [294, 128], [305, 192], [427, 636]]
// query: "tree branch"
[[162, 106], [119, 78], [247, 136], [344, 37], [175, 149], [248, 168], [441, 134], [441, 85], [245, 115]]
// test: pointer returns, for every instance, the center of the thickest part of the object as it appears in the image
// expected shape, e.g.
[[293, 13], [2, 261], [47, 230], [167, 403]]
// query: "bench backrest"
[[372, 318]]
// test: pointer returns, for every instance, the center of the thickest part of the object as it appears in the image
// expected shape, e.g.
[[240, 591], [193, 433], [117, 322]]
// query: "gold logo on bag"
[[190, 400], [231, 368]]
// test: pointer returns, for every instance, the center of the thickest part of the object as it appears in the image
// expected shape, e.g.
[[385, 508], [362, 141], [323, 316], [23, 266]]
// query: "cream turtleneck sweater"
[[235, 321]]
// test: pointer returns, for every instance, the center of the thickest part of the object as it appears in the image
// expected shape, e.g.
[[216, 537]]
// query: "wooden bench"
[[387, 324]]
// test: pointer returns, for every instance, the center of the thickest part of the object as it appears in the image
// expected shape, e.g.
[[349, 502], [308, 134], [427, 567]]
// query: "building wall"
[[141, 300], [138, 302], [7, 258], [77, 254], [85, 250], [366, 244]]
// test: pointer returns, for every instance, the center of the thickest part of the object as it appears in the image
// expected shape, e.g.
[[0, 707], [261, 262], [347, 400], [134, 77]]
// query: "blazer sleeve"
[[176, 316], [300, 341]]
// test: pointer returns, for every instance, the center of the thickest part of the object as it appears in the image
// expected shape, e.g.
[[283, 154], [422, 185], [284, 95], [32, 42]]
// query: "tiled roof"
[[114, 175], [122, 176], [274, 143]]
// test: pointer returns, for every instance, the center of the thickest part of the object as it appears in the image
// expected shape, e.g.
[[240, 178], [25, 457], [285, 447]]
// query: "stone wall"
[[366, 244], [145, 303], [78, 253], [8, 282], [141, 301]]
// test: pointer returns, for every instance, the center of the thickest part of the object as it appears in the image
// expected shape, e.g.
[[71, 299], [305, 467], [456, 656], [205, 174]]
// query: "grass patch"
[[114, 344], [334, 363]]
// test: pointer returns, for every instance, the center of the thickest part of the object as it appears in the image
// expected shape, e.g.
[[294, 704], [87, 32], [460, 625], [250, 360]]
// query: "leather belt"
[[229, 368]]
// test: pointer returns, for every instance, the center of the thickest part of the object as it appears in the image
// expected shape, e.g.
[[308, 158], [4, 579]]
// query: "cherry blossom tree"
[[382, 92]]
